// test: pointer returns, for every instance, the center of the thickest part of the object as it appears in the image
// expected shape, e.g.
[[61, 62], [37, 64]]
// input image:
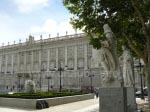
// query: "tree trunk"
[[147, 70], [147, 73]]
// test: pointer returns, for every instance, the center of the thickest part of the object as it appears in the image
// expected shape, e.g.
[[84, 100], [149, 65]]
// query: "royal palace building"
[[62, 62]]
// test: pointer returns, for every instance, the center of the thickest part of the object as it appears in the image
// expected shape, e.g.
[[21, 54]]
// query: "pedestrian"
[[96, 93]]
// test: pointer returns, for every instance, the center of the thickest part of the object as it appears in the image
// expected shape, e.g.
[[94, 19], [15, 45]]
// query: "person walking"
[[96, 93]]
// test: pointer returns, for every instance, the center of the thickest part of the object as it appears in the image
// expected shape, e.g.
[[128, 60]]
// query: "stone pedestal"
[[131, 99], [112, 99]]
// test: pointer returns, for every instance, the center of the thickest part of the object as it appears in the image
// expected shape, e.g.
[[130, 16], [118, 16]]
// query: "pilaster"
[[32, 60], [66, 56], [25, 61], [85, 57], [57, 57], [0, 63], [6, 63], [75, 57], [40, 60], [48, 59], [18, 55], [12, 63]]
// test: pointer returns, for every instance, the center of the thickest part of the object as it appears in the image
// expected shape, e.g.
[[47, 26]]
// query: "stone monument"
[[112, 95], [30, 86], [109, 60], [127, 67], [128, 75]]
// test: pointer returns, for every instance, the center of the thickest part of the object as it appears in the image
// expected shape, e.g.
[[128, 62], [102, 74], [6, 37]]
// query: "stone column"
[[85, 57], [57, 57], [0, 63], [12, 63], [66, 63], [47, 59], [25, 61], [18, 62], [75, 57], [95, 58], [6, 63], [40, 59], [32, 60]]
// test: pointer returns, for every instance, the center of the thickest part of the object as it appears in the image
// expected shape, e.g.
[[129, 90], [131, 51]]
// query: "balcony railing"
[[46, 40]]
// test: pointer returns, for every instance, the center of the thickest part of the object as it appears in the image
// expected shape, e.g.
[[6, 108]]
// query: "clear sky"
[[20, 18]]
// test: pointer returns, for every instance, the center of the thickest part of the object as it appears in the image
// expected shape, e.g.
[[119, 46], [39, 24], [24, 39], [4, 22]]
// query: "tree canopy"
[[129, 20]]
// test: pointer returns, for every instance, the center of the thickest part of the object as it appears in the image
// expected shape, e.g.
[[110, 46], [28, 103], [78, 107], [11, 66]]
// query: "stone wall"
[[31, 103]]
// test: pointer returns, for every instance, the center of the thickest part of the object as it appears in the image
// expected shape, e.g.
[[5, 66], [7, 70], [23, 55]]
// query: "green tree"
[[129, 20]]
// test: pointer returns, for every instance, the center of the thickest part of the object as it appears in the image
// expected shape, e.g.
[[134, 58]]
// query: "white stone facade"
[[38, 60]]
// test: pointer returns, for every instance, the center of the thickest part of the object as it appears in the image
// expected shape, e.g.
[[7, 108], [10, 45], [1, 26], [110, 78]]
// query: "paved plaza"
[[91, 105], [81, 106]]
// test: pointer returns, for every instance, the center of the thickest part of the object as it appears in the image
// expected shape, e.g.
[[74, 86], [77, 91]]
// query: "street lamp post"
[[142, 92], [19, 76], [60, 69], [139, 66], [48, 79], [91, 75], [40, 81]]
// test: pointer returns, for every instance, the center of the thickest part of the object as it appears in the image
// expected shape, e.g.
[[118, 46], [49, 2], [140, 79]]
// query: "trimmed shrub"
[[40, 95]]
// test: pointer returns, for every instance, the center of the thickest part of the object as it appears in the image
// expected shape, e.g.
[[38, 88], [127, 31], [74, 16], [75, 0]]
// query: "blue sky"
[[20, 18]]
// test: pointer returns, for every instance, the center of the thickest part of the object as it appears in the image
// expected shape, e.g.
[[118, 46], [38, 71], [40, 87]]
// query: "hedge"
[[39, 95]]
